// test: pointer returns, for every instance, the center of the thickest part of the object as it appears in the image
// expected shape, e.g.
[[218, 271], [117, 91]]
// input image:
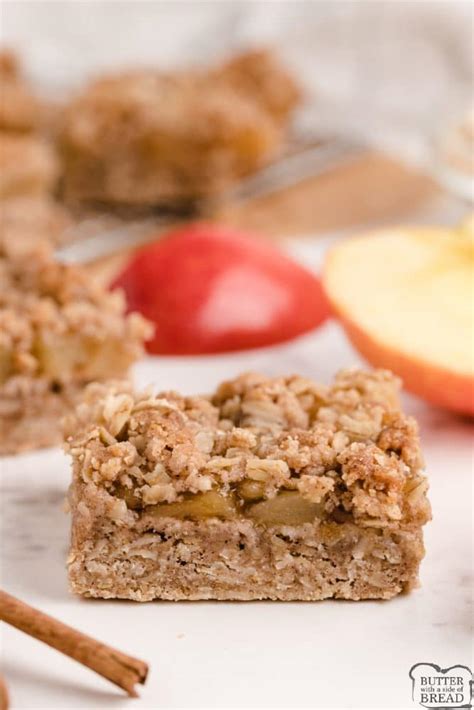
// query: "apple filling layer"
[[71, 356], [286, 508], [74, 355]]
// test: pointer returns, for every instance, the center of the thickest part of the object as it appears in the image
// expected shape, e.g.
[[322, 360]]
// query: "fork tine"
[[297, 166]]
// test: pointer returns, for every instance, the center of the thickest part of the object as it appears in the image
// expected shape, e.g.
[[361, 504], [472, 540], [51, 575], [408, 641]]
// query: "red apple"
[[209, 289], [406, 300]]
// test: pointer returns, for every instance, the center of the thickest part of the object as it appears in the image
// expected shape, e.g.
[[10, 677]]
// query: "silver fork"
[[304, 158]]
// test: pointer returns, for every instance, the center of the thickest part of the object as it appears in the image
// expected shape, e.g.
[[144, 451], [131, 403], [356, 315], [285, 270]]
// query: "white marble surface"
[[228, 655]]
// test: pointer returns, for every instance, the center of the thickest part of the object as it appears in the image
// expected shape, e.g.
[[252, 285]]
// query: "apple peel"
[[211, 289]]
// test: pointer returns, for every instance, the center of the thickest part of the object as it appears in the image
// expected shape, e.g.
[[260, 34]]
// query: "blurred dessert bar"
[[20, 109], [28, 165], [257, 75], [58, 332], [29, 170], [268, 489], [27, 220], [144, 138]]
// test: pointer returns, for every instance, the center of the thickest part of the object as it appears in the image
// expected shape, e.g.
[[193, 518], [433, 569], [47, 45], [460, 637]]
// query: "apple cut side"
[[405, 298]]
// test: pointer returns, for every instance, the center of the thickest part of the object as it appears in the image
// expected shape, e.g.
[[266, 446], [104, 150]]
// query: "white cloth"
[[392, 72]]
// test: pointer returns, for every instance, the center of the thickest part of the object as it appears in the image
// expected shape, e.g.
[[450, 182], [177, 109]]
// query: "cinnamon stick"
[[114, 665], [4, 701]]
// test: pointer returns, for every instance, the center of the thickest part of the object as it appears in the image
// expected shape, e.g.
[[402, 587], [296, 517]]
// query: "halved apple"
[[405, 297], [210, 289]]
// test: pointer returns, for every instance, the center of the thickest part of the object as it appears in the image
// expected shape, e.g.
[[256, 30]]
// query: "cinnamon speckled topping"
[[347, 447]]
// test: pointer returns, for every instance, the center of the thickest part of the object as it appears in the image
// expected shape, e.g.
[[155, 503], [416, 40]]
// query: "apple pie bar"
[[58, 332], [145, 138], [28, 166], [20, 110], [268, 489]]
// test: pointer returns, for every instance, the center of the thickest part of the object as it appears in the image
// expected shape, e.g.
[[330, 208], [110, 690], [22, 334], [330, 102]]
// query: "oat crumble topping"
[[347, 447], [45, 304]]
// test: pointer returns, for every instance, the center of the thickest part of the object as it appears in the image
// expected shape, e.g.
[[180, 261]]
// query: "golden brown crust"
[[219, 559]]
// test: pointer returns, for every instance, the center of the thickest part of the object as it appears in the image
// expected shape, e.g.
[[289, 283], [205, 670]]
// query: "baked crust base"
[[31, 419], [237, 560]]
